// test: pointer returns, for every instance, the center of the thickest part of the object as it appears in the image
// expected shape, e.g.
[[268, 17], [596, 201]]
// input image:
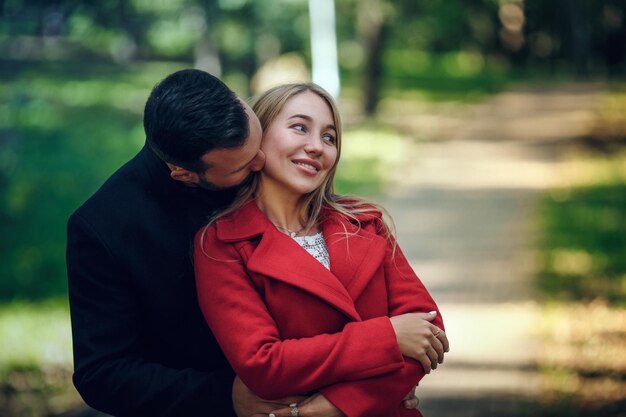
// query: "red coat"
[[289, 326]]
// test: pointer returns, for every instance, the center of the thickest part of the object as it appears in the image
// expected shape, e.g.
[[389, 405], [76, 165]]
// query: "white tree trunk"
[[325, 68]]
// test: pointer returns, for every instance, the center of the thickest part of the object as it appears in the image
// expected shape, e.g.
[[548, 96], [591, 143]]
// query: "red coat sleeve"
[[249, 337], [376, 396]]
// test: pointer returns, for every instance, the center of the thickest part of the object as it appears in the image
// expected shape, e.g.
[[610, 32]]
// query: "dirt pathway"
[[463, 213]]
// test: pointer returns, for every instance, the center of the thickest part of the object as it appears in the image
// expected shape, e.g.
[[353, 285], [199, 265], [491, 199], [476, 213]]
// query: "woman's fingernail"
[[432, 313], [272, 415]]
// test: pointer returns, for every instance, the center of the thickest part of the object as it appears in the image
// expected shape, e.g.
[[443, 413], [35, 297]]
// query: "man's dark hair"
[[190, 113]]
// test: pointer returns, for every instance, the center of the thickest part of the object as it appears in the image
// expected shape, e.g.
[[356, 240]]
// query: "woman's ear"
[[183, 175]]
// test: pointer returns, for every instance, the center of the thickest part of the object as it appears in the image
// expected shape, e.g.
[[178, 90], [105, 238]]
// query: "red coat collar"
[[355, 254], [249, 221]]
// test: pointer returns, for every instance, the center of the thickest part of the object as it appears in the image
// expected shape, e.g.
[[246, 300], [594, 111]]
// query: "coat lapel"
[[279, 257], [355, 253]]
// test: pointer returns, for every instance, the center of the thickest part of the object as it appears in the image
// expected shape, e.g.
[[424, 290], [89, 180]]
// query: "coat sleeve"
[[250, 339], [376, 396], [110, 373]]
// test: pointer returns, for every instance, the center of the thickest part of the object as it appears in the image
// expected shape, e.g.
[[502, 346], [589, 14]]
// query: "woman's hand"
[[419, 339]]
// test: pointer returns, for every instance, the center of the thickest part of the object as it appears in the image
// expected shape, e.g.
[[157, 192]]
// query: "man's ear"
[[183, 175]]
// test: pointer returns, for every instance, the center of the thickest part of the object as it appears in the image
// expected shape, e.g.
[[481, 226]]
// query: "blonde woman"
[[305, 290]]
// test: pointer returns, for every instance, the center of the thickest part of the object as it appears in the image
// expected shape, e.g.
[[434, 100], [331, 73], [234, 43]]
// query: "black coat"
[[141, 345]]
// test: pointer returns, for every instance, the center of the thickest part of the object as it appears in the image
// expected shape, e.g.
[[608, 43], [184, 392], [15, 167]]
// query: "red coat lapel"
[[279, 257], [355, 253]]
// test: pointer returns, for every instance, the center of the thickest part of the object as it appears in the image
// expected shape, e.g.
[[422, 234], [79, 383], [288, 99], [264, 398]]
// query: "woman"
[[285, 273]]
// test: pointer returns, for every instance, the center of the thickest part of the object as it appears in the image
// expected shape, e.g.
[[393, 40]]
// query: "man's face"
[[229, 167]]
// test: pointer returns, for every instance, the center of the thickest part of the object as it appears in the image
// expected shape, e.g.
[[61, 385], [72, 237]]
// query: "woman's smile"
[[308, 165]]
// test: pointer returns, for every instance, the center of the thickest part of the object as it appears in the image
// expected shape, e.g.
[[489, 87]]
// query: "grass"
[[583, 360], [582, 281], [35, 359], [584, 234], [582, 273]]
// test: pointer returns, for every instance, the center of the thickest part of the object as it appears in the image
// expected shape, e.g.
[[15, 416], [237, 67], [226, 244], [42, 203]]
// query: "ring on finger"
[[294, 409]]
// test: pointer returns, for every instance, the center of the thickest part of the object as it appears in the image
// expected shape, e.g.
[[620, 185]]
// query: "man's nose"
[[259, 162]]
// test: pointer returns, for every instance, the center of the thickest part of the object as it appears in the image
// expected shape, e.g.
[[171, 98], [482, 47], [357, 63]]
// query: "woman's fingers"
[[419, 339], [425, 361], [437, 345], [434, 358], [443, 338]]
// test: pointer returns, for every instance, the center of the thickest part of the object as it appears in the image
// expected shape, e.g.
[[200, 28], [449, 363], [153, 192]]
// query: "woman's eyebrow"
[[309, 118], [301, 116]]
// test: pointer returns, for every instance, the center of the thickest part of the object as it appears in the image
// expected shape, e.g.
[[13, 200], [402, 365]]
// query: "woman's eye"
[[329, 138], [299, 128]]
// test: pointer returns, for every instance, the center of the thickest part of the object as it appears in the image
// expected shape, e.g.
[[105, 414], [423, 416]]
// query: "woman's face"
[[299, 145]]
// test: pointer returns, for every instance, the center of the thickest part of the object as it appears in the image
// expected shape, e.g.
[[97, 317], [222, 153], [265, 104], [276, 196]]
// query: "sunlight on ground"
[[502, 334], [372, 157], [386, 146], [586, 337], [36, 360], [581, 169], [583, 352], [493, 349], [34, 335]]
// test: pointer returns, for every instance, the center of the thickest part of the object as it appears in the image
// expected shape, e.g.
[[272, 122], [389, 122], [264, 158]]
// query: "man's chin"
[[214, 187]]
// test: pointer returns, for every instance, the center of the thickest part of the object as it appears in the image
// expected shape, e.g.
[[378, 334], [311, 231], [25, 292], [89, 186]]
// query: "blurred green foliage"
[[584, 240], [63, 130]]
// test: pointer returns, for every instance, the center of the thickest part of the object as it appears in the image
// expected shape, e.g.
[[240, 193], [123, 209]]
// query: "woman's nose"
[[313, 145]]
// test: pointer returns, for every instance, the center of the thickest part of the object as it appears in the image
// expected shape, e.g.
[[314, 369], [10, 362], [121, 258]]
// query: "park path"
[[463, 214]]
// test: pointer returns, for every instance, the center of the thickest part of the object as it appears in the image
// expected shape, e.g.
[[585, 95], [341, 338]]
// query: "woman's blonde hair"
[[267, 107]]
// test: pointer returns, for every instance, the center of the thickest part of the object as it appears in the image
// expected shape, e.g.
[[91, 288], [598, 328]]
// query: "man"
[[141, 345]]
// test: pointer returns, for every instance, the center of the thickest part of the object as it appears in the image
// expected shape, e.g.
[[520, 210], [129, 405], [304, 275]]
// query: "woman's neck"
[[284, 210]]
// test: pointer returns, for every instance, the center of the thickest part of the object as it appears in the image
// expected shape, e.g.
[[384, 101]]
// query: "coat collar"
[[355, 254]]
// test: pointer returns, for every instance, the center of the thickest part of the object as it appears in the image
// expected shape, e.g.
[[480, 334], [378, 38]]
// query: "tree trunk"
[[206, 52], [372, 29]]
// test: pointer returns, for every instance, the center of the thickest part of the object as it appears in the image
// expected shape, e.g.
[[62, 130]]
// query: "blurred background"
[[494, 131]]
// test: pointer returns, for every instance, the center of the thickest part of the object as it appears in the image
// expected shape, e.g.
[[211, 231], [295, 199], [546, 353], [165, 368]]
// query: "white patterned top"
[[316, 246]]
